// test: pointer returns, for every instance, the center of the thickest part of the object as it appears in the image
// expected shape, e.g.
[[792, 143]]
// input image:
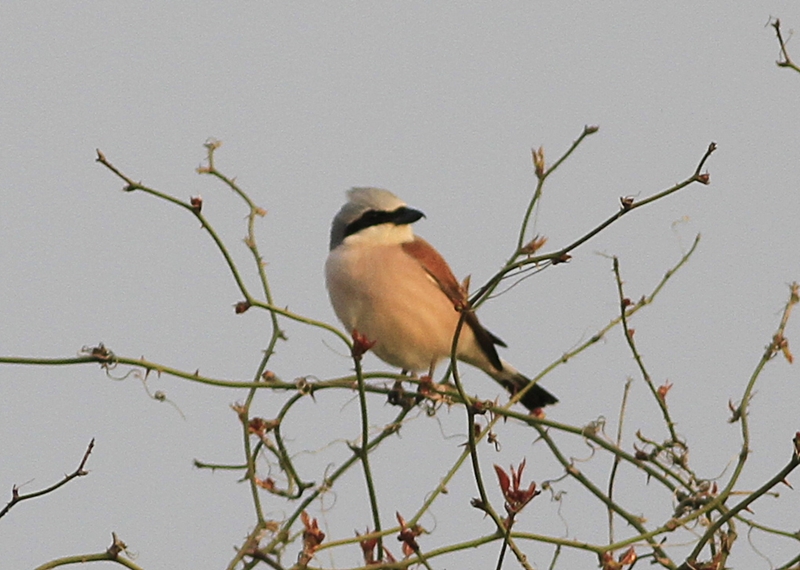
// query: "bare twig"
[[628, 332], [563, 255], [542, 173], [785, 60], [777, 346], [617, 458], [250, 300], [361, 345], [644, 301], [251, 553], [16, 497]]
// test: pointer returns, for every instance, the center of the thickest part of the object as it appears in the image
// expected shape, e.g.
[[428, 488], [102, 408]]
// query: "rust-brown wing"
[[435, 265]]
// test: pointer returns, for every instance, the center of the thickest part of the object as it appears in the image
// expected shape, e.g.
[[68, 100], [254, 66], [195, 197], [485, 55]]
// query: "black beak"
[[404, 215]]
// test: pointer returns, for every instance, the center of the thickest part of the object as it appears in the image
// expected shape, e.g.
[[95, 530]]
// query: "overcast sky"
[[440, 103]]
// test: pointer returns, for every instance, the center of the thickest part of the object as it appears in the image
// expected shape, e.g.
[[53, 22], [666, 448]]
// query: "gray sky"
[[440, 104]]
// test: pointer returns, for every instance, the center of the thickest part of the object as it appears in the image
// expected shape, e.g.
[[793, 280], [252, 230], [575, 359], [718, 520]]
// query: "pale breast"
[[386, 295]]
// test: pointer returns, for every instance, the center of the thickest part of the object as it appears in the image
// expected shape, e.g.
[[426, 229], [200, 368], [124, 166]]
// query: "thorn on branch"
[[736, 412], [241, 307], [641, 455], [478, 504]]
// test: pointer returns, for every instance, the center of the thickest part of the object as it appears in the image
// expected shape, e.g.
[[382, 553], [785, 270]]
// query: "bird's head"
[[373, 215]]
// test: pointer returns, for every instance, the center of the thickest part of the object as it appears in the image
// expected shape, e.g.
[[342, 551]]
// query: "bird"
[[393, 288]]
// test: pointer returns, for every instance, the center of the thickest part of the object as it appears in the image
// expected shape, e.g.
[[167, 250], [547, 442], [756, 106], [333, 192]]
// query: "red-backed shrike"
[[394, 288]]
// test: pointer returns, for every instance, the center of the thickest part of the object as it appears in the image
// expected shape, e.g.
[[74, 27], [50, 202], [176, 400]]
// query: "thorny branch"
[[523, 258], [267, 541]]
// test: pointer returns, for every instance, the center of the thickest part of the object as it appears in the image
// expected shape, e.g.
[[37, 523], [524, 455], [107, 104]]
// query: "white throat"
[[383, 234]]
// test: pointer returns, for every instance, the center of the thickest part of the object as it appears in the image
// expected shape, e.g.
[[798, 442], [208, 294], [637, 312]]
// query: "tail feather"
[[534, 398]]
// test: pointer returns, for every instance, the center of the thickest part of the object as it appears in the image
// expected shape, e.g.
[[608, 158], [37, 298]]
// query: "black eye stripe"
[[401, 216]]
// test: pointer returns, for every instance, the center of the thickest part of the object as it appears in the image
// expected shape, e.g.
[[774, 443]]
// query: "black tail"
[[535, 398]]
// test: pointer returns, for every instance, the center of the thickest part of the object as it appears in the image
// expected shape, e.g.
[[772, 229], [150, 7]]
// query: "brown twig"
[[786, 61], [16, 497]]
